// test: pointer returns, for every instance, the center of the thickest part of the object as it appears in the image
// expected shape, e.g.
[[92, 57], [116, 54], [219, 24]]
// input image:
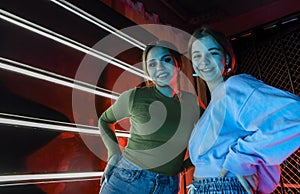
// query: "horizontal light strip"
[[31, 122], [48, 126], [48, 176], [55, 80], [56, 75], [33, 119], [290, 20], [122, 133], [68, 42], [72, 8], [87, 176], [47, 182]]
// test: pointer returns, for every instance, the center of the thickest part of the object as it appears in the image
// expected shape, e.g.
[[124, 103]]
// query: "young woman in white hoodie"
[[247, 129]]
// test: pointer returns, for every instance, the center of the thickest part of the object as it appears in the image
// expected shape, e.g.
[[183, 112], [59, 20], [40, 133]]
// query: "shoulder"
[[237, 89], [248, 84], [242, 81], [138, 93], [242, 85], [128, 92], [191, 100], [188, 95], [138, 90]]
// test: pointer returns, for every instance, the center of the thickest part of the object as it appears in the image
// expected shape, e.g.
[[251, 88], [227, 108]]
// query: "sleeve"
[[271, 118], [118, 111]]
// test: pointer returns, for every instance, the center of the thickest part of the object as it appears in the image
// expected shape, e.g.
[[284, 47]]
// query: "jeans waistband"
[[217, 180], [218, 184], [126, 164]]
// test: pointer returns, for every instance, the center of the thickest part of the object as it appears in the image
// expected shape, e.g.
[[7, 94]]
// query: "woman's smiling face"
[[161, 66], [207, 58]]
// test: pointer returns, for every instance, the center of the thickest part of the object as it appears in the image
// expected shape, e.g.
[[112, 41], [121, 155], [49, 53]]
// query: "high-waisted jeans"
[[227, 185], [127, 178]]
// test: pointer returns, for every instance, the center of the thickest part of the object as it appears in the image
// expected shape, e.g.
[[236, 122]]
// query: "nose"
[[160, 65], [204, 61]]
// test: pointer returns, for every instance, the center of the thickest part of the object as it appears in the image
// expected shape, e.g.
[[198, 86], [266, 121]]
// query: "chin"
[[163, 85]]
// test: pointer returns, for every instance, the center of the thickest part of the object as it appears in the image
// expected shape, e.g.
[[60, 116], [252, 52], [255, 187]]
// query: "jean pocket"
[[174, 186], [174, 189], [127, 175]]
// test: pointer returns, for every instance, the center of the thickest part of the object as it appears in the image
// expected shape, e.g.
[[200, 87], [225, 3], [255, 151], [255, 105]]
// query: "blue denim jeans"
[[227, 185], [127, 178]]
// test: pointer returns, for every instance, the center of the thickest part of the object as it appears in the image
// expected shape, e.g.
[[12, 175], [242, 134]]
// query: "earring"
[[227, 61], [227, 64]]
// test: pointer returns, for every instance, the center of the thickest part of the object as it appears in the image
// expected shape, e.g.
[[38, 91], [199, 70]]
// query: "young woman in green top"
[[161, 120]]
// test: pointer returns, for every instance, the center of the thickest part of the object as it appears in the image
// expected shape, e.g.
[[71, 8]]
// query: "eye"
[[168, 59], [151, 64], [215, 53], [196, 56]]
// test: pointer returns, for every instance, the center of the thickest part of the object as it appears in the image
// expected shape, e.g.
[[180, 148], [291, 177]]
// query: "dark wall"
[[272, 53], [27, 150]]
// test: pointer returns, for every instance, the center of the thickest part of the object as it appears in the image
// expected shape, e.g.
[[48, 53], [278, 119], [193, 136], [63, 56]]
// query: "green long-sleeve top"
[[160, 128]]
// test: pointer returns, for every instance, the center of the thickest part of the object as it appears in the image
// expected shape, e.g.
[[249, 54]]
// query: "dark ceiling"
[[189, 14], [195, 11]]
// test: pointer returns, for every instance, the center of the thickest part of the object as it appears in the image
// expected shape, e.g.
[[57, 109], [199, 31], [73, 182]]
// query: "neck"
[[213, 84], [167, 91]]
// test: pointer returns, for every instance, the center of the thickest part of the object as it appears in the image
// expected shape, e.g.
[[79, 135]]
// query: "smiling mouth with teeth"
[[206, 70], [162, 75]]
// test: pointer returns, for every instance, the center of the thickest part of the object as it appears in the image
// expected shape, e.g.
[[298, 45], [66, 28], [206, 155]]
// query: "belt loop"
[[192, 189], [171, 179]]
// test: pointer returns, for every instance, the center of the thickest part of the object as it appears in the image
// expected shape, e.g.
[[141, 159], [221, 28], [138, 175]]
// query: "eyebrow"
[[210, 49], [195, 52], [166, 55], [214, 48]]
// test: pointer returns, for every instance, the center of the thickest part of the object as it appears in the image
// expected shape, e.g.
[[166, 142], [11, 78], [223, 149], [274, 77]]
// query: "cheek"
[[170, 68], [195, 65], [221, 64], [151, 72], [218, 62], [195, 62]]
